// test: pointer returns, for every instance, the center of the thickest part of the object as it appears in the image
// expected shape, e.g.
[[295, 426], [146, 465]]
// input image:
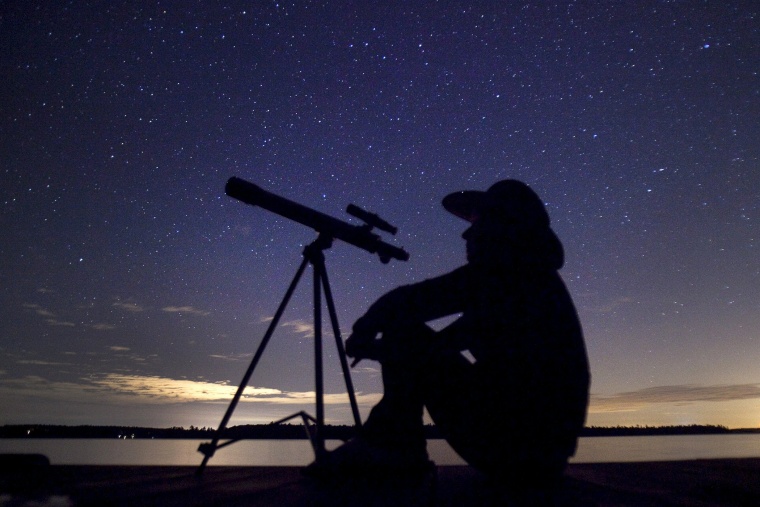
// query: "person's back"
[[524, 328], [526, 338]]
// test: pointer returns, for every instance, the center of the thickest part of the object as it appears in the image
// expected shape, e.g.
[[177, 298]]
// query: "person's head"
[[509, 225]]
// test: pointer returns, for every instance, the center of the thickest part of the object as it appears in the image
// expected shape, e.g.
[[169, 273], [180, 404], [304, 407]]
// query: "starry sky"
[[134, 291]]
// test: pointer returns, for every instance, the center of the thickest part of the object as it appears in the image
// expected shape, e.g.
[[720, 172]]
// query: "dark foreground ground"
[[729, 482]]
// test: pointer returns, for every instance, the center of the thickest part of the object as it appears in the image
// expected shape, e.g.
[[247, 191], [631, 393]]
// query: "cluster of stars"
[[636, 125]]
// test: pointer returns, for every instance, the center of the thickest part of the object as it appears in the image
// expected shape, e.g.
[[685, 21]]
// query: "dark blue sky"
[[133, 290]]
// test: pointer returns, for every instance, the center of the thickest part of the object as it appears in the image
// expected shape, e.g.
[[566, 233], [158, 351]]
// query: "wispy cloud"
[[129, 307], [185, 309], [38, 362], [305, 328], [119, 348], [52, 319], [42, 312], [301, 327], [679, 394], [231, 357], [56, 322]]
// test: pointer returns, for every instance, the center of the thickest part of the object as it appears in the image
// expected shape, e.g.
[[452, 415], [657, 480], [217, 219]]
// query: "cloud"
[[163, 390], [679, 394], [185, 309], [306, 328], [118, 348], [49, 316], [33, 387], [222, 357], [130, 307], [55, 322], [231, 357], [301, 327], [42, 312], [154, 390], [52, 319]]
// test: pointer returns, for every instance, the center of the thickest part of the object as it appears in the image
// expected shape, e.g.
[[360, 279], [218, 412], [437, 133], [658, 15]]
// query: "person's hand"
[[362, 345]]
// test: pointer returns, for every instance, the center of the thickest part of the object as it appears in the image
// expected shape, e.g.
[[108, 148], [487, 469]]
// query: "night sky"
[[134, 291]]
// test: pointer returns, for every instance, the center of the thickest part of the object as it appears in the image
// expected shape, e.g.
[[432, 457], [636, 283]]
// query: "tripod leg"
[[341, 349], [318, 265], [209, 449]]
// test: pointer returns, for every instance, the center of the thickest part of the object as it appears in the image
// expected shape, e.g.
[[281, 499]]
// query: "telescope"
[[329, 228], [357, 235]]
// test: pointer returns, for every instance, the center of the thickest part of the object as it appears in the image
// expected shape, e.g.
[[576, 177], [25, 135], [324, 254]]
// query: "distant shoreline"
[[293, 431]]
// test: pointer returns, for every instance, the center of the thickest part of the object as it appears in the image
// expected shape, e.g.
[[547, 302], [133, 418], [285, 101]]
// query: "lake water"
[[299, 452]]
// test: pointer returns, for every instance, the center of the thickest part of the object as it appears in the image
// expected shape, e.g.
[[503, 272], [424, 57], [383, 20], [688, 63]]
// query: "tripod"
[[313, 254]]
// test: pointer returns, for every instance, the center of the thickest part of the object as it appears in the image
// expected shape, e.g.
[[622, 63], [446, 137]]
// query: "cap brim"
[[464, 204]]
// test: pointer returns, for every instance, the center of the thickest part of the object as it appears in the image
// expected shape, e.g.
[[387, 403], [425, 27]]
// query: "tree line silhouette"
[[273, 431]]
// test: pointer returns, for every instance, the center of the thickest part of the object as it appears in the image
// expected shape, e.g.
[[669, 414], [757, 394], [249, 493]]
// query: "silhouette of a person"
[[516, 410]]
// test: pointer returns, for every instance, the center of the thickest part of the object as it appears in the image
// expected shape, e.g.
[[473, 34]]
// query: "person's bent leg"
[[392, 440], [478, 420], [396, 421]]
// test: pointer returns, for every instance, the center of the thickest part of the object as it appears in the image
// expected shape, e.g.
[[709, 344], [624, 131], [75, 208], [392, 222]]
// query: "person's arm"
[[408, 304]]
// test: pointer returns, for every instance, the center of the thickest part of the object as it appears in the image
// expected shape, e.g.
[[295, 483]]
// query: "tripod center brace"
[[328, 228]]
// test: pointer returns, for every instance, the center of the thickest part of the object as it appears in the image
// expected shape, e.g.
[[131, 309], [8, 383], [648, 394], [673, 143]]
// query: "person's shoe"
[[359, 457]]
